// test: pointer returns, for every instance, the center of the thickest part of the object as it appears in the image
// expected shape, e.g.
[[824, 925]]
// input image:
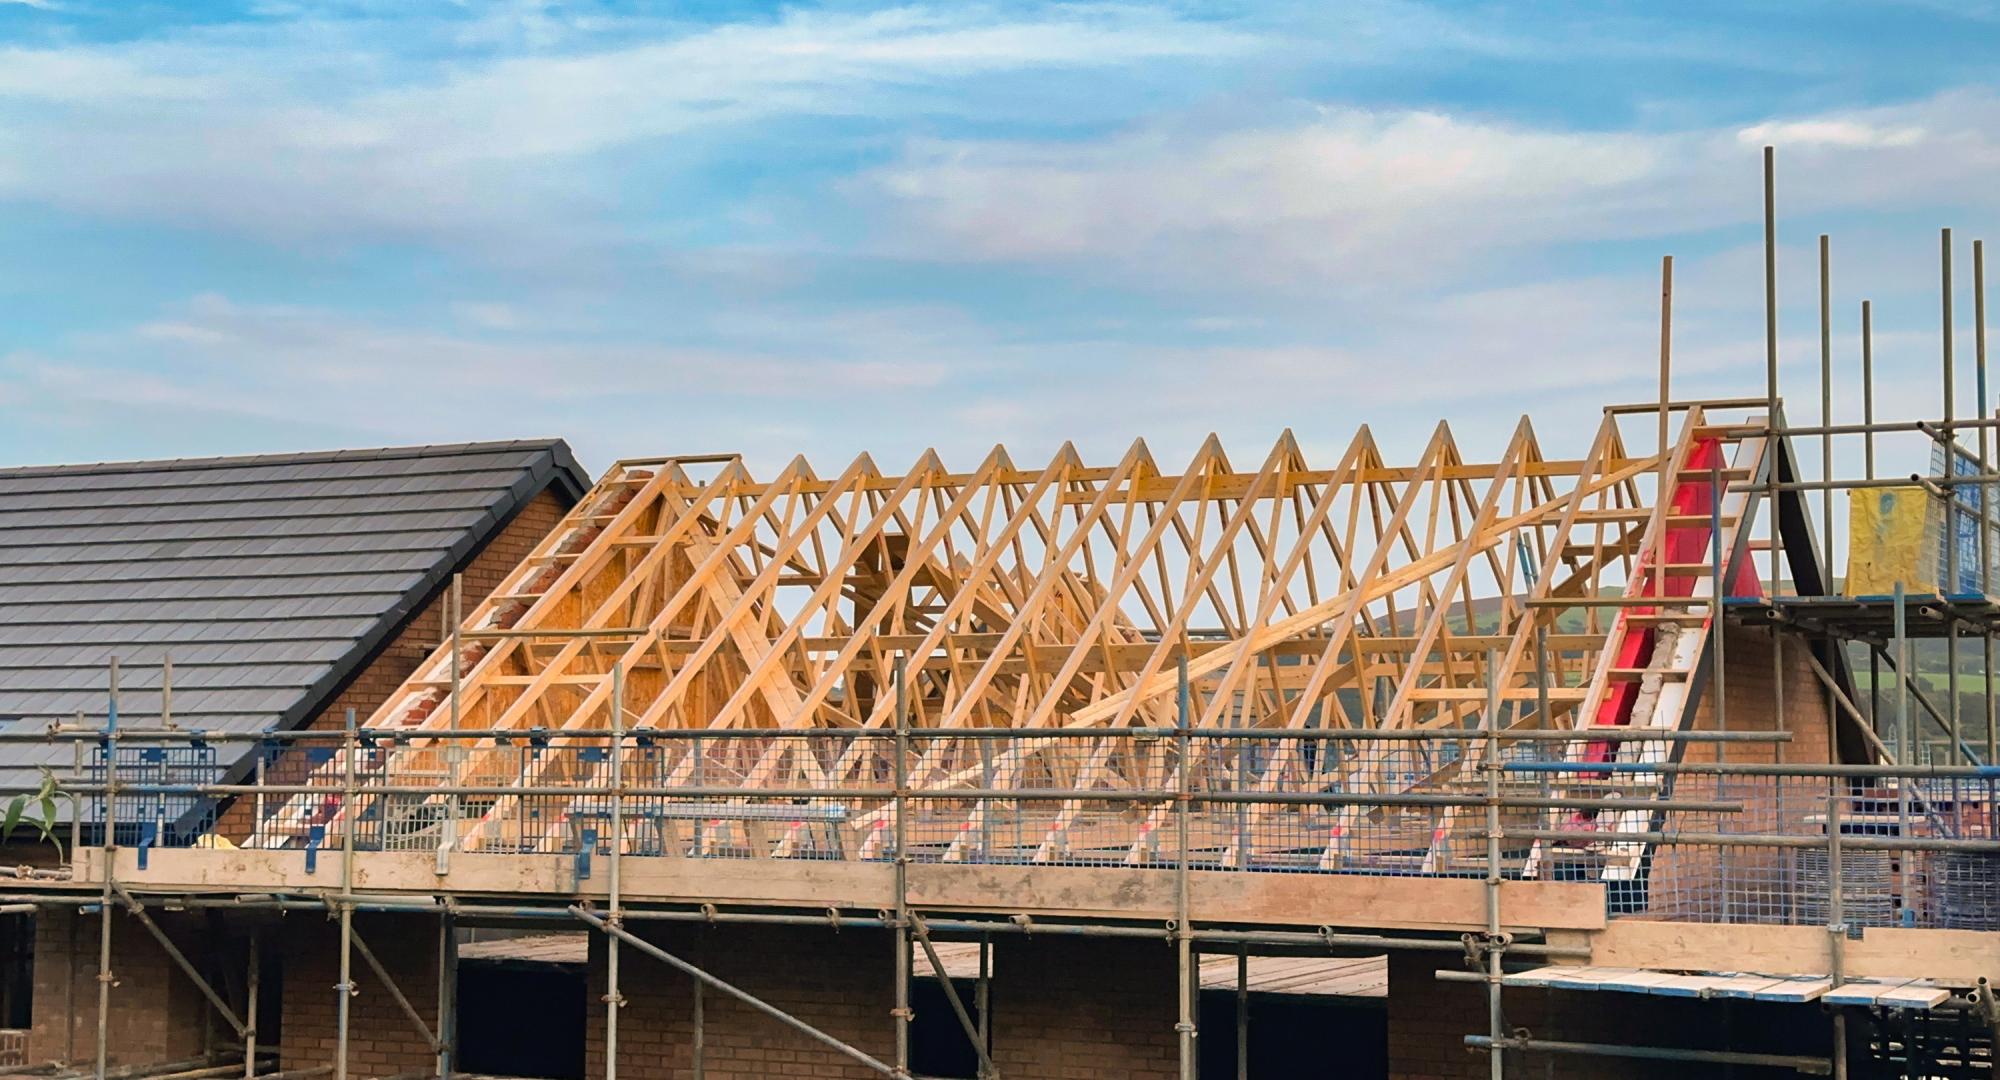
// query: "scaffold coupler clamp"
[[708, 913], [833, 918], [1480, 945], [1026, 924]]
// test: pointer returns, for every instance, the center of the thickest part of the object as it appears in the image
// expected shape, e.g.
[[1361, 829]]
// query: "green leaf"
[[14, 808]]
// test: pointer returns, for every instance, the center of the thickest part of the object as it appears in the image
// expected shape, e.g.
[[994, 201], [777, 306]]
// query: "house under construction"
[[1446, 766]]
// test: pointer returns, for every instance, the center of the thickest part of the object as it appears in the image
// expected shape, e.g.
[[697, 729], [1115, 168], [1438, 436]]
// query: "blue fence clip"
[[315, 837], [149, 834], [583, 854]]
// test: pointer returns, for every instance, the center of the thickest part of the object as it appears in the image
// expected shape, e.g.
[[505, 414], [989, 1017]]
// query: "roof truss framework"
[[1063, 595]]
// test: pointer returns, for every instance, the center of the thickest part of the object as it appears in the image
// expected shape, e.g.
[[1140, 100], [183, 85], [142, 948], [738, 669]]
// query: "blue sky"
[[824, 229]]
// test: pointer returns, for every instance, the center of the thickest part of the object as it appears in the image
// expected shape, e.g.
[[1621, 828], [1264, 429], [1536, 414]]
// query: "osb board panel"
[[1959, 957], [1094, 892]]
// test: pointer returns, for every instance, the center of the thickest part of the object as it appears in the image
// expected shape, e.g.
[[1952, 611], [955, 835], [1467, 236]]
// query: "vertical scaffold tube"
[[901, 936], [1183, 934], [613, 999]]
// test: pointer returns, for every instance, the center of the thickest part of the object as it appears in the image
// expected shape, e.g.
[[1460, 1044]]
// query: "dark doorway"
[[938, 1043], [521, 1019], [17, 970], [1296, 1036]]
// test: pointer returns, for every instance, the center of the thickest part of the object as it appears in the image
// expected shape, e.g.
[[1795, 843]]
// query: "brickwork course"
[[381, 1039], [1073, 1008], [1064, 1008], [156, 1014]]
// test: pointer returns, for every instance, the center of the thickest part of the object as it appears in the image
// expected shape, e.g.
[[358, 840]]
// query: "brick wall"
[[381, 1039], [1750, 702], [1063, 1008], [839, 982], [156, 1013], [1084, 1007], [400, 658], [1428, 1022]]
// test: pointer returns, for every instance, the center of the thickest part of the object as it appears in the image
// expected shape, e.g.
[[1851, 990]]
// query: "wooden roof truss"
[[1062, 595]]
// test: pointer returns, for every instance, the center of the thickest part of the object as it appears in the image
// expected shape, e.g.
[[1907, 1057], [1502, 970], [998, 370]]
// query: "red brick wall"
[[1063, 1008], [381, 1039], [1073, 1007], [839, 982], [156, 1013], [1751, 702]]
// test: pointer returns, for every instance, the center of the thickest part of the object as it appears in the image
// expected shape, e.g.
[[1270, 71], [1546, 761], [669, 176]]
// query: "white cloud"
[[487, 315], [1352, 187], [311, 130], [224, 369], [1831, 132], [1365, 199]]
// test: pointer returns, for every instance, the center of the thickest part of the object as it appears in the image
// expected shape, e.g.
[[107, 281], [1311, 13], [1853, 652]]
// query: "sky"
[[828, 229]]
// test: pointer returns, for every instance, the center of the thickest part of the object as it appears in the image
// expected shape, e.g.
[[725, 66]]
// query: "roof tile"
[[268, 579]]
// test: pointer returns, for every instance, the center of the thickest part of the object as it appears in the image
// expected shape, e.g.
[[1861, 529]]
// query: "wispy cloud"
[[244, 131], [841, 228], [1363, 199]]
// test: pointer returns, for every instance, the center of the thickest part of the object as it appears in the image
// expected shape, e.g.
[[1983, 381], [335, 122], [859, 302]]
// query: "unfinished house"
[[1059, 768], [234, 595], [1449, 763]]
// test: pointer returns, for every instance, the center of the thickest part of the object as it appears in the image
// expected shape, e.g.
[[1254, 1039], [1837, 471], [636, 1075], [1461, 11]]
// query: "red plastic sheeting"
[[1685, 544]]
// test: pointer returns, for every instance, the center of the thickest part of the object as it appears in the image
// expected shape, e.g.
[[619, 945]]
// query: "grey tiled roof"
[[268, 579]]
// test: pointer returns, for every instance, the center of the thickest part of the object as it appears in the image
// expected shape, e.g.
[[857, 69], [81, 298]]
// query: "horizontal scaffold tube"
[[1815, 1066], [1324, 937], [639, 735], [1852, 843], [1119, 795]]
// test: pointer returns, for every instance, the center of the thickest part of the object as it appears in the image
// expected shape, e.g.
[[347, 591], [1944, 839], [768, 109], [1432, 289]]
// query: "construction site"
[[1478, 763]]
